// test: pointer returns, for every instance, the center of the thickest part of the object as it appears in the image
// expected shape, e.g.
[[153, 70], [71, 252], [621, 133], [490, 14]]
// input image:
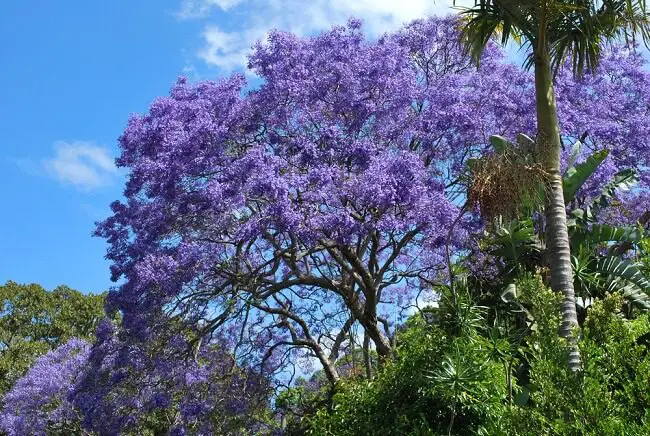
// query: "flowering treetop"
[[324, 198]]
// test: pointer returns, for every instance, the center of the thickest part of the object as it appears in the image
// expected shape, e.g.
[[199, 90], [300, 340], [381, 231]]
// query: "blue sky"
[[72, 71]]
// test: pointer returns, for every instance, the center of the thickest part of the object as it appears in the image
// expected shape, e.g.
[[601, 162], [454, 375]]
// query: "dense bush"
[[443, 379], [610, 395], [441, 383]]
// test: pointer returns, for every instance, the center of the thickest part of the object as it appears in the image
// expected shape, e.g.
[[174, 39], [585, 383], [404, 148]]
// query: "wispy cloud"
[[84, 165], [224, 50], [227, 48], [202, 8]]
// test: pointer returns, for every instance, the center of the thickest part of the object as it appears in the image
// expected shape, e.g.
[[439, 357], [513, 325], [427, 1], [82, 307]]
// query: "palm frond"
[[504, 20], [575, 30], [579, 32], [620, 238], [623, 276]]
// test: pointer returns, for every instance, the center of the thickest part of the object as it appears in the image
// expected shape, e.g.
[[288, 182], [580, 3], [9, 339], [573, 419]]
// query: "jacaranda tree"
[[125, 387], [322, 201]]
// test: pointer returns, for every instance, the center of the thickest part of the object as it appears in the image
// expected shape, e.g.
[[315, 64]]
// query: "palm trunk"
[[559, 253]]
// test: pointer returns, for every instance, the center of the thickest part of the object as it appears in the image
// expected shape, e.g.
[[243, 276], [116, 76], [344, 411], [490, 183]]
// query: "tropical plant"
[[598, 249], [602, 254], [555, 30]]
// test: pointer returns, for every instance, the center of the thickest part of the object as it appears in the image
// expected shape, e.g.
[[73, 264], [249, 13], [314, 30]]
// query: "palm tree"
[[555, 31]]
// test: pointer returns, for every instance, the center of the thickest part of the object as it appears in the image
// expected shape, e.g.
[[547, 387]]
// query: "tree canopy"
[[324, 198], [34, 321], [299, 227]]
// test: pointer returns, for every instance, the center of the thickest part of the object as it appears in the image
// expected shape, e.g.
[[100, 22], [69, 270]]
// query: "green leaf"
[[625, 277], [576, 176], [623, 180], [500, 144], [600, 233]]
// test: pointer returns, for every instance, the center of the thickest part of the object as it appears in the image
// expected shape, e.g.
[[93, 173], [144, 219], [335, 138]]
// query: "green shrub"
[[439, 382], [609, 397], [450, 376]]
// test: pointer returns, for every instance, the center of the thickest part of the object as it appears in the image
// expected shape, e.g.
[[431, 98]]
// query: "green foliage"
[[609, 396], [306, 396], [576, 176], [301, 400], [453, 374], [442, 380], [588, 214], [624, 276], [518, 245], [644, 255], [582, 236], [596, 248], [34, 321]]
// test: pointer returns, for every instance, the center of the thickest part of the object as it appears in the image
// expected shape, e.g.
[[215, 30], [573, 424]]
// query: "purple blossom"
[[124, 381], [118, 385], [38, 403], [326, 195]]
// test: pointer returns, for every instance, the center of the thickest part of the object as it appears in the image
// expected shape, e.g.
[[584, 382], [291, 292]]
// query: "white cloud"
[[201, 8], [224, 50], [84, 165], [227, 49]]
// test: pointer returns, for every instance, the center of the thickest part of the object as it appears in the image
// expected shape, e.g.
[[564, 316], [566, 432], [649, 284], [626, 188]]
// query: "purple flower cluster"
[[38, 403], [120, 386], [126, 383], [612, 105]]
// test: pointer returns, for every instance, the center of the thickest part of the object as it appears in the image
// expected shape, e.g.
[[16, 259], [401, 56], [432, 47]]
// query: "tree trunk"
[[559, 253], [382, 343], [367, 360], [367, 317], [329, 368]]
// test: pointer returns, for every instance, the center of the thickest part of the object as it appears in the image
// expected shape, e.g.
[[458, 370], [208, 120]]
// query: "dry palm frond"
[[502, 185]]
